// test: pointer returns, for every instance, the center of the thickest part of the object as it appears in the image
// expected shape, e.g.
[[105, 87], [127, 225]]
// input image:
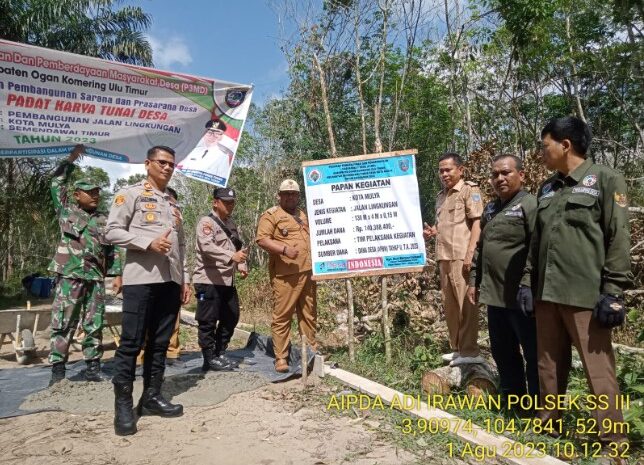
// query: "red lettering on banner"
[[28, 102], [117, 111], [148, 114], [364, 263], [74, 107]]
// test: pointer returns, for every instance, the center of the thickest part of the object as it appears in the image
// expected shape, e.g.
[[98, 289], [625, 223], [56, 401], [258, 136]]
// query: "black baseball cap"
[[224, 193]]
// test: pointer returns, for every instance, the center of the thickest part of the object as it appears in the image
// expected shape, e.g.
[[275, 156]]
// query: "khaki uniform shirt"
[[453, 208], [140, 214], [282, 227], [502, 249], [581, 243], [214, 253]]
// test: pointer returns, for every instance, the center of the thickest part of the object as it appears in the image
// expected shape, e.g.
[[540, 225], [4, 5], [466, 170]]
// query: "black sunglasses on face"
[[163, 163]]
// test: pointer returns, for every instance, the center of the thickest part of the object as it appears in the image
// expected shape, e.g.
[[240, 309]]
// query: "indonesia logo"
[[589, 180], [235, 97], [314, 175], [404, 165]]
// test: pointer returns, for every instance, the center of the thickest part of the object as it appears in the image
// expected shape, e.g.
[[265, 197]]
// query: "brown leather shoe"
[[281, 366]]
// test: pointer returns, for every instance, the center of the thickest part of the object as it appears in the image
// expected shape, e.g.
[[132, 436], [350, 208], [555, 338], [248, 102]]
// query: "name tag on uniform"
[[585, 190], [516, 213]]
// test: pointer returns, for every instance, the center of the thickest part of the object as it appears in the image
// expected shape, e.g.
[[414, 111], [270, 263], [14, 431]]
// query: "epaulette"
[[471, 183], [271, 210]]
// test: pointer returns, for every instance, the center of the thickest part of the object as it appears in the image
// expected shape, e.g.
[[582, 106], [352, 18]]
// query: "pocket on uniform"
[[579, 210], [150, 217], [457, 214], [206, 308]]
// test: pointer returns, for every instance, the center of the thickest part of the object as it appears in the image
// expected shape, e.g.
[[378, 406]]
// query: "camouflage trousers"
[[77, 300]]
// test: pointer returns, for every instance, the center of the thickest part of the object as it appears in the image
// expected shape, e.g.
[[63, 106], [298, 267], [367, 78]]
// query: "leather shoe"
[[281, 365]]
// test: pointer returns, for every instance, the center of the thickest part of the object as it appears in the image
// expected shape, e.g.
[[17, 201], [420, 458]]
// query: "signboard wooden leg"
[[350, 315], [385, 318]]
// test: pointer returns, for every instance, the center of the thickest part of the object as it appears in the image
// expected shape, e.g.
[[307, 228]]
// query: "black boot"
[[124, 422], [221, 355], [57, 373], [153, 403], [93, 371], [211, 362]]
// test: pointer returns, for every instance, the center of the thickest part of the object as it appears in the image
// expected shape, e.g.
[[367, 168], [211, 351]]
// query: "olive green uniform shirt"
[[502, 249], [580, 246]]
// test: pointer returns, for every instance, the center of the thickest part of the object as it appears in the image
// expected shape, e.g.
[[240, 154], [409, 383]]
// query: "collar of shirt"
[[457, 187], [575, 175]]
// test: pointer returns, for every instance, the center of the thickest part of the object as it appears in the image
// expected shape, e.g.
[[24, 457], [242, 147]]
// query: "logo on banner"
[[314, 175], [235, 97], [404, 165]]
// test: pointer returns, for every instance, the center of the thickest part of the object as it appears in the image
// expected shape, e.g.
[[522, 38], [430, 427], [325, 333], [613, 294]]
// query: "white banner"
[[364, 215], [51, 100]]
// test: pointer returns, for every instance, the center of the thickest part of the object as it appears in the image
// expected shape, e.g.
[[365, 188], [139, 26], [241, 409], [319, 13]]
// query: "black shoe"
[[57, 373], [153, 403], [214, 363], [227, 360], [124, 422], [93, 371]]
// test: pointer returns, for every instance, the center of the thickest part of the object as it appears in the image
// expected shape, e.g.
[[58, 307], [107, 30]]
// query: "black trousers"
[[510, 332], [217, 315], [148, 310]]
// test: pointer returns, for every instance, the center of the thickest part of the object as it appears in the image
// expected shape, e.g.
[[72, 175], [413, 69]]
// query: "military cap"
[[85, 184], [289, 185], [213, 125], [224, 193]]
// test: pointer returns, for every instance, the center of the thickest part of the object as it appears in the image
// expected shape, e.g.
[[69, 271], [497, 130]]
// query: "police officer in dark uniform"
[[155, 284], [506, 228], [577, 270]]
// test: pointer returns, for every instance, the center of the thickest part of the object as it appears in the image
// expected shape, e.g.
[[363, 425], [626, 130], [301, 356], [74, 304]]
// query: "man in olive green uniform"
[[83, 259], [283, 231], [506, 229], [458, 214], [578, 267], [155, 284], [219, 254]]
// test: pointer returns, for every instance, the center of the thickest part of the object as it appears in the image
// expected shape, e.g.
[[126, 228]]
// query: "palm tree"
[[87, 27]]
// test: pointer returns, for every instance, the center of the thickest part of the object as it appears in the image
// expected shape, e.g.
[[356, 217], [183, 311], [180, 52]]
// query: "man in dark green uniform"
[[83, 258], [578, 267], [507, 224]]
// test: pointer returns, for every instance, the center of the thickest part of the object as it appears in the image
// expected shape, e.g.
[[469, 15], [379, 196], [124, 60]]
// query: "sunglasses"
[[163, 163]]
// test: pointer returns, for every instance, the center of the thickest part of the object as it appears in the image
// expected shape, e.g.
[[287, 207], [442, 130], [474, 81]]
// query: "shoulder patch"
[[476, 197], [119, 200], [621, 199]]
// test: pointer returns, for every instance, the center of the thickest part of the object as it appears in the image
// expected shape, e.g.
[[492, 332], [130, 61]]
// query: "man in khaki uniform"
[[283, 231], [220, 253], [458, 213], [155, 285]]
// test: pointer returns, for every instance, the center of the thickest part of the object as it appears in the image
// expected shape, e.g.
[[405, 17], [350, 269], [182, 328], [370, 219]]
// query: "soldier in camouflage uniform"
[[83, 259]]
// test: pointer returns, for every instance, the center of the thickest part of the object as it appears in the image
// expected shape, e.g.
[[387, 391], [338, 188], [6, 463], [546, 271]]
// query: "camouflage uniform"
[[82, 260]]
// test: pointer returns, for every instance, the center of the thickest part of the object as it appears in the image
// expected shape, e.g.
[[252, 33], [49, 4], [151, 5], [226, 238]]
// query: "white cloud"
[[167, 52], [114, 169]]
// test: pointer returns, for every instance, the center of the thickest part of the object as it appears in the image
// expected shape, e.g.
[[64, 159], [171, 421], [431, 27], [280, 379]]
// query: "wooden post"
[[305, 362], [385, 318], [350, 315]]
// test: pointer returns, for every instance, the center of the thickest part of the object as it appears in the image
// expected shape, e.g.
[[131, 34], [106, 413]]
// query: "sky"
[[234, 40]]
